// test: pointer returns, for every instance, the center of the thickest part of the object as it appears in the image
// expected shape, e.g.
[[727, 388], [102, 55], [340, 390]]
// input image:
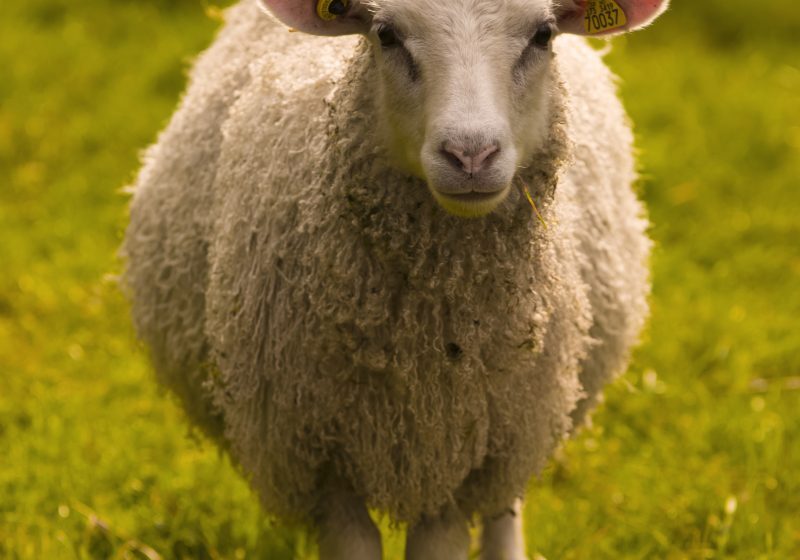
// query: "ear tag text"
[[604, 15], [329, 10]]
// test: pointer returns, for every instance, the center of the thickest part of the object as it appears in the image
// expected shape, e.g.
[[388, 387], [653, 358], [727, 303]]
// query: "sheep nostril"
[[484, 156], [455, 159]]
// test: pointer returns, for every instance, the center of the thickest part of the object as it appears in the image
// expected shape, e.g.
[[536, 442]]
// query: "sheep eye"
[[391, 42], [543, 36], [387, 37]]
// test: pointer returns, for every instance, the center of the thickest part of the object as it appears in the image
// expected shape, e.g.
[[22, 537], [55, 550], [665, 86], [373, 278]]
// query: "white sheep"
[[394, 271]]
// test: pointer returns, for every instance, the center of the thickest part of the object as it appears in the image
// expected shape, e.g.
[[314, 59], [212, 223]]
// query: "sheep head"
[[465, 85]]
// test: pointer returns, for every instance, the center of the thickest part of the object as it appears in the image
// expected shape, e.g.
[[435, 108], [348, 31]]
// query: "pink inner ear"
[[642, 12], [302, 16], [638, 13]]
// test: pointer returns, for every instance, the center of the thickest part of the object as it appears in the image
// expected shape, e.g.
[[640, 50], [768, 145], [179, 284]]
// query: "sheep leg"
[[502, 537], [437, 538], [346, 531]]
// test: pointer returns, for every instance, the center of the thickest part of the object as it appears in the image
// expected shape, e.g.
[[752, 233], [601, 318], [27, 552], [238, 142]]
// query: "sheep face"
[[464, 92]]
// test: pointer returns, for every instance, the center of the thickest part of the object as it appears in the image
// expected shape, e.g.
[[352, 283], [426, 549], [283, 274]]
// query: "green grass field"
[[696, 453]]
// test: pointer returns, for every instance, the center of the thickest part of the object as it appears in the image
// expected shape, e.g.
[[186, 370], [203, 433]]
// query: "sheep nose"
[[470, 161]]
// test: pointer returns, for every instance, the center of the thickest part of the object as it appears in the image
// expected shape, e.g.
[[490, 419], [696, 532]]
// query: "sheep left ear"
[[607, 17], [320, 17]]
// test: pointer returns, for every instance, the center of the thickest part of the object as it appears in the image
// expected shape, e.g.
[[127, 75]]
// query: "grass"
[[694, 455]]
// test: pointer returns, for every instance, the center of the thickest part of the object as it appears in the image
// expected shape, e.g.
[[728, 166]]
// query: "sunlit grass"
[[695, 453]]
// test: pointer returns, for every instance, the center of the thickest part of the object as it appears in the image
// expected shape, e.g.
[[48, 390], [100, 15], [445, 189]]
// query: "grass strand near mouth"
[[526, 191]]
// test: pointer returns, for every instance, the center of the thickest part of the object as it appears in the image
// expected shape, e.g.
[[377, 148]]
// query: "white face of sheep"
[[465, 92], [465, 86]]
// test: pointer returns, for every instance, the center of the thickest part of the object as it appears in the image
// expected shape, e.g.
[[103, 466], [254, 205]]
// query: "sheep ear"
[[607, 17], [320, 17]]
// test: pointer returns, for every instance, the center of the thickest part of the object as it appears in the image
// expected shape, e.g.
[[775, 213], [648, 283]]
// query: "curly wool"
[[328, 323]]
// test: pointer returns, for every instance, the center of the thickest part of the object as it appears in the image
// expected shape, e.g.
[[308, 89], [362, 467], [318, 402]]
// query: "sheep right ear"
[[320, 17], [607, 17]]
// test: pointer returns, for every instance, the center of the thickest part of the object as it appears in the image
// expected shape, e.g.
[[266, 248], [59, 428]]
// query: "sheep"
[[393, 269]]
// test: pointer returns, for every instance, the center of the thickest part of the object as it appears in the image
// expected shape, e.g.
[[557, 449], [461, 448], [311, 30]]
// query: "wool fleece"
[[325, 321]]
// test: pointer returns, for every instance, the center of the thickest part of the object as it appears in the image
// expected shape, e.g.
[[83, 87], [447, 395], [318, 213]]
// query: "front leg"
[[502, 537], [443, 537], [345, 529]]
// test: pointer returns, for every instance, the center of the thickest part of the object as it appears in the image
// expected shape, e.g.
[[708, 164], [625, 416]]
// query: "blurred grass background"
[[696, 453]]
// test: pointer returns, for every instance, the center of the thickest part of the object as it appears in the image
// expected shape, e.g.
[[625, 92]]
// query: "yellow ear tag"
[[329, 10], [604, 15]]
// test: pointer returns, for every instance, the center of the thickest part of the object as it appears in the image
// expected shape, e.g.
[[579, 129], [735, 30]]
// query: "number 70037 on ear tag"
[[604, 15]]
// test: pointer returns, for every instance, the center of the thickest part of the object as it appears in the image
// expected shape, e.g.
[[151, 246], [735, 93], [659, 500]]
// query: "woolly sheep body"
[[323, 319]]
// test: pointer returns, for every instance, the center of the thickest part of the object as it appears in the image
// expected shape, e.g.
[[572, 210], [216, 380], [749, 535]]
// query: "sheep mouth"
[[471, 204]]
